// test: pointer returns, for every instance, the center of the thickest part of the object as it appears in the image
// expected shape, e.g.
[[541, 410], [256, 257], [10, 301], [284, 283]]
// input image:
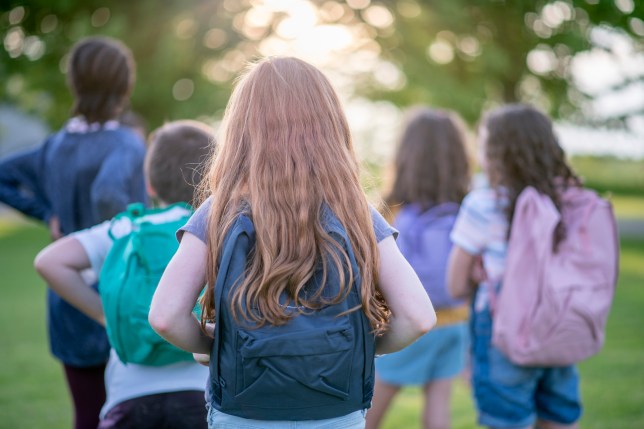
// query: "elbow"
[[41, 264], [427, 322], [423, 322], [159, 322]]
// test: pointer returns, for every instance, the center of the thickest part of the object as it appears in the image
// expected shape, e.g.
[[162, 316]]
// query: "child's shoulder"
[[126, 138], [120, 139], [482, 197], [485, 201]]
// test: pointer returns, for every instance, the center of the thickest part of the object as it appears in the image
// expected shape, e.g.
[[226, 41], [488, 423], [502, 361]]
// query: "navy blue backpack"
[[424, 241], [319, 365]]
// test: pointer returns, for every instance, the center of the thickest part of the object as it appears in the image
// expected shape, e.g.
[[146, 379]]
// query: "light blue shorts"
[[437, 355], [219, 420]]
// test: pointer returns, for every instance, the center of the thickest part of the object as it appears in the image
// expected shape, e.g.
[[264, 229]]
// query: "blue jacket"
[[83, 179]]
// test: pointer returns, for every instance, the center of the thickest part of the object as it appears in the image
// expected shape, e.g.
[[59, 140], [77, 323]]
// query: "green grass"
[[610, 174], [32, 389], [628, 206], [621, 181], [33, 392]]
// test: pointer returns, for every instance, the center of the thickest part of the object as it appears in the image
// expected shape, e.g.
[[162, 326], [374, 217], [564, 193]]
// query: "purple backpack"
[[424, 241], [552, 306]]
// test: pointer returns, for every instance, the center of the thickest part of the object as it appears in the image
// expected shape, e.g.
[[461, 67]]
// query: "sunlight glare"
[[378, 16], [301, 20]]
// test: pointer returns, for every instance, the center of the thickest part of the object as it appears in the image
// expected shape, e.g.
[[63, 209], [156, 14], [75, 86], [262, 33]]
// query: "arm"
[[178, 290], [412, 311], [60, 264], [19, 185], [119, 182], [459, 272]]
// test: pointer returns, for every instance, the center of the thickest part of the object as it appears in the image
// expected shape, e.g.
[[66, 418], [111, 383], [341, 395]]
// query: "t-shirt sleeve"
[[97, 243], [380, 225], [471, 229], [197, 225]]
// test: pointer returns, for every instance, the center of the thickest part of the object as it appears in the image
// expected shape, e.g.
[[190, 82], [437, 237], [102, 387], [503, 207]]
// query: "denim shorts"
[[508, 395], [219, 420], [437, 355]]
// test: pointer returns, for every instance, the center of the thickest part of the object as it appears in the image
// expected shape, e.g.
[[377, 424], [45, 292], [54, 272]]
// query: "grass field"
[[33, 393]]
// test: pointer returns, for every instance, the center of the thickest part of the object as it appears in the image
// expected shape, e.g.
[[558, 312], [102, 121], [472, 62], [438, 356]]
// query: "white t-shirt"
[[123, 382]]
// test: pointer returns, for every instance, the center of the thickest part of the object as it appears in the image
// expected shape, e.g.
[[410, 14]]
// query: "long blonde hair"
[[285, 151]]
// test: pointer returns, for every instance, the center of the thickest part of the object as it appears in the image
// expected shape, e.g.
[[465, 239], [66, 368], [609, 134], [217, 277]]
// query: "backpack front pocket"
[[294, 368]]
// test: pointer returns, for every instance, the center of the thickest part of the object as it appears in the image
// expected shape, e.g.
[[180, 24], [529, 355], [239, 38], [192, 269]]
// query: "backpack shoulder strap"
[[531, 234], [236, 246], [133, 212]]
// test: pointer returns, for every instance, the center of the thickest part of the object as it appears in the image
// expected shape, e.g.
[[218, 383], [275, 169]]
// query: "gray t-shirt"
[[197, 225]]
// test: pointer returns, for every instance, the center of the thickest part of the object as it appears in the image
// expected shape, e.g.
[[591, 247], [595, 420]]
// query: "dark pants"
[[175, 410], [87, 387]]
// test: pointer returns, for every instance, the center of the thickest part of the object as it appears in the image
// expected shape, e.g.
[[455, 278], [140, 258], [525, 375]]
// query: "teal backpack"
[[129, 277]]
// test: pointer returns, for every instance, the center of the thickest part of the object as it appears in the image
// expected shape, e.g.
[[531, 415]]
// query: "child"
[[302, 264], [139, 396], [82, 175], [431, 178], [520, 149]]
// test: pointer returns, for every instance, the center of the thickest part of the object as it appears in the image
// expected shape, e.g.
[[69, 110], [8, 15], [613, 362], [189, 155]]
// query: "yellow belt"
[[449, 316]]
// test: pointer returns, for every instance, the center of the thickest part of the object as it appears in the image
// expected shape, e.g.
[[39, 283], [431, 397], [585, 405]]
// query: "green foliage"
[[465, 55], [166, 38], [457, 54]]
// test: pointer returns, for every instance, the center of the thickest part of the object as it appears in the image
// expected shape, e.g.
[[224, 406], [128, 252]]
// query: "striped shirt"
[[481, 229]]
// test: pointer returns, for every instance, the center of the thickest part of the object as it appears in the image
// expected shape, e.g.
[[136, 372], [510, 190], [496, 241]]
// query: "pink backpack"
[[552, 307]]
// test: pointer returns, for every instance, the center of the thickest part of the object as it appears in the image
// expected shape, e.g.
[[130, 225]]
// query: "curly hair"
[[521, 150]]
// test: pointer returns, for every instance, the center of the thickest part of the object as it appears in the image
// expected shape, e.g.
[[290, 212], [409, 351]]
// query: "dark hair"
[[521, 149], [101, 75], [431, 165], [175, 161]]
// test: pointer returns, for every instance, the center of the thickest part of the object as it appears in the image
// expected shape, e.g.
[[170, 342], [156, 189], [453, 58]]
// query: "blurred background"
[[581, 61]]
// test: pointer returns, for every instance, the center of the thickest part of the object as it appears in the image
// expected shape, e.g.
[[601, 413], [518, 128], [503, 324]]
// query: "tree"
[[459, 54], [172, 43], [466, 54]]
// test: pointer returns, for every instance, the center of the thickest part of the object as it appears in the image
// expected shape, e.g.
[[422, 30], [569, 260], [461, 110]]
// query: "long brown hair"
[[521, 149], [286, 151], [431, 165]]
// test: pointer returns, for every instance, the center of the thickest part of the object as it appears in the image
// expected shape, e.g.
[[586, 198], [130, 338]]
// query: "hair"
[[101, 75], [176, 159], [285, 153], [431, 165], [521, 149]]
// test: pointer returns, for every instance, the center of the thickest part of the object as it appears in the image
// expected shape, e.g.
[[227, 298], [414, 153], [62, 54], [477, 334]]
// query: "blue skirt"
[[437, 355]]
